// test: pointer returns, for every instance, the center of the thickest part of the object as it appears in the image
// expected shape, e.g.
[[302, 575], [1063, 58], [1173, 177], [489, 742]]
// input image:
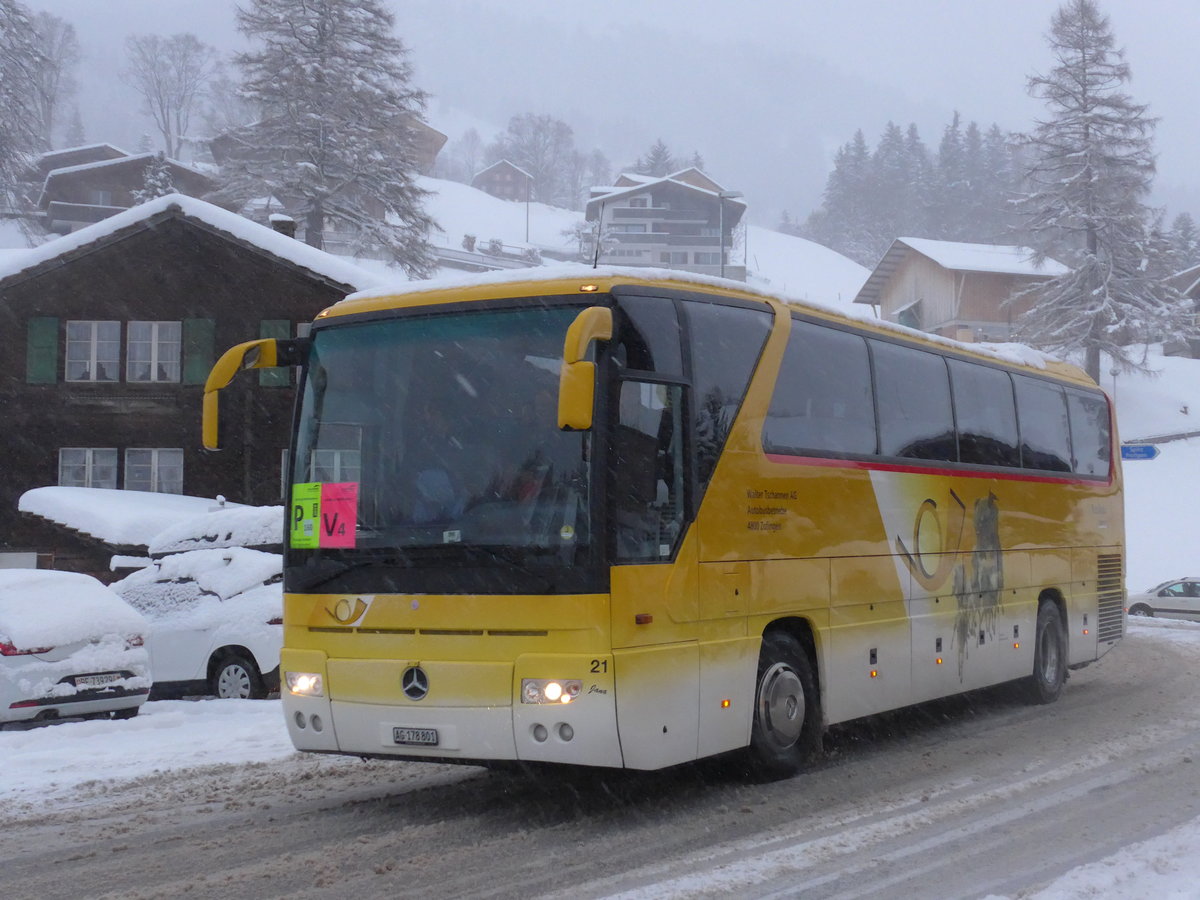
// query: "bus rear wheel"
[[1049, 657], [787, 713]]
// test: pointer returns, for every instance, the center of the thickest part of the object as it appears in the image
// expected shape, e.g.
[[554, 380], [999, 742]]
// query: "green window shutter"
[[41, 352], [281, 329], [197, 349]]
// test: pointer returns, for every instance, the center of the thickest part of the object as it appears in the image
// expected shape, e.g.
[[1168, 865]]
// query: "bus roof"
[[582, 279]]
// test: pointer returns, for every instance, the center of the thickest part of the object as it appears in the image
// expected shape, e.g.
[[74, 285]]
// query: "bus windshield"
[[432, 441]]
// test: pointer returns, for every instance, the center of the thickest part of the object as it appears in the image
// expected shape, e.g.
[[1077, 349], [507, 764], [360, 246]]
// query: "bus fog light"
[[566, 732], [540, 733], [550, 690], [317, 724], [305, 684], [299, 717]]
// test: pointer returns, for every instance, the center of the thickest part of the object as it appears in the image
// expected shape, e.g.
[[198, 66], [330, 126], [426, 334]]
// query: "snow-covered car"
[[1175, 599], [215, 621], [69, 646]]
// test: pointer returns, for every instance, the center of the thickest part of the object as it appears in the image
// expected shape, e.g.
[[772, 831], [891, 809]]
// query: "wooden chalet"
[[968, 292], [504, 180], [115, 327]]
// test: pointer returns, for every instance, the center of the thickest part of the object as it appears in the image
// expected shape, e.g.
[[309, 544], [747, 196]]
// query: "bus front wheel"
[[787, 713], [1049, 657]]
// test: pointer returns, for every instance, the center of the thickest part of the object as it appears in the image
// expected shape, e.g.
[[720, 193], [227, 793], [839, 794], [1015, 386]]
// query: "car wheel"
[[236, 678], [787, 709], [1141, 609], [127, 713], [1049, 657]]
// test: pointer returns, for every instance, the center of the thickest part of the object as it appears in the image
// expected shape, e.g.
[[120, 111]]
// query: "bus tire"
[[787, 709], [1049, 657]]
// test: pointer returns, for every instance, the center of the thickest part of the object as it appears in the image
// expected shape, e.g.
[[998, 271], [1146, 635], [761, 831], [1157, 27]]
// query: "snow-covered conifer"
[[1091, 164], [336, 142], [156, 180]]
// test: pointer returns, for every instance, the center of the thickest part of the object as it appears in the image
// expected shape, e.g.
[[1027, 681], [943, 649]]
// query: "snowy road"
[[963, 798]]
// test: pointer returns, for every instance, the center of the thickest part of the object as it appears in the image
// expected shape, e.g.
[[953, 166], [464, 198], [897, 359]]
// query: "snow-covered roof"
[[237, 227], [66, 151], [119, 161], [502, 162], [131, 518], [959, 257], [655, 182]]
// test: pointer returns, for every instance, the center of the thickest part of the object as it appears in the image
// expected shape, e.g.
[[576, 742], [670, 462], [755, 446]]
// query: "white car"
[[69, 647], [215, 619], [1175, 599]]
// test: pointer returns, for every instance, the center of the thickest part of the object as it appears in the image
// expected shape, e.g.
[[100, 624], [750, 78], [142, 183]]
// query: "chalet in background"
[[957, 290], [116, 328], [683, 221]]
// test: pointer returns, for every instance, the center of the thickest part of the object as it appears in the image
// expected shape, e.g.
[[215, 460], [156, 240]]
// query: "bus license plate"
[[423, 737]]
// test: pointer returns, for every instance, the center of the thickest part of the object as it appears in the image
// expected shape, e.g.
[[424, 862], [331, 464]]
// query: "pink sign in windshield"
[[339, 514]]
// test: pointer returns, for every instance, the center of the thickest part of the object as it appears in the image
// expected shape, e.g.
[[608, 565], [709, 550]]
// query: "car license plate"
[[423, 737], [96, 680]]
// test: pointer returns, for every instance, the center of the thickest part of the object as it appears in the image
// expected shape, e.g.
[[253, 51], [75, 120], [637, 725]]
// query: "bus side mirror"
[[577, 379], [265, 353]]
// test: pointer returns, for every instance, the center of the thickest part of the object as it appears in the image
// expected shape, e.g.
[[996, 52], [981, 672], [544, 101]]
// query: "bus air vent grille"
[[1111, 624]]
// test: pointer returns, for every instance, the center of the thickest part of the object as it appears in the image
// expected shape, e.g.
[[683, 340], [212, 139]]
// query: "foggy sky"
[[764, 90]]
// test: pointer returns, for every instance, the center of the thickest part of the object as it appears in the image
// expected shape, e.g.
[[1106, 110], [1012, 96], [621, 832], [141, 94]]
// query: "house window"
[[674, 257], [706, 259], [92, 467], [627, 229], [93, 351], [623, 251], [709, 231], [101, 198], [158, 469], [153, 351], [336, 465], [639, 202]]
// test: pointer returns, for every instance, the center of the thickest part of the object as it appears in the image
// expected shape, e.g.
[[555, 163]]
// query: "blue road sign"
[[1138, 451]]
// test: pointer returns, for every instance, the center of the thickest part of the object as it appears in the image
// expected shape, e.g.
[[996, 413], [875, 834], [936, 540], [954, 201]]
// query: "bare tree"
[[170, 74], [54, 74], [18, 132]]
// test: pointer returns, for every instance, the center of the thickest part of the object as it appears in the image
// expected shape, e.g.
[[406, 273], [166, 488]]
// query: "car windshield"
[[440, 431]]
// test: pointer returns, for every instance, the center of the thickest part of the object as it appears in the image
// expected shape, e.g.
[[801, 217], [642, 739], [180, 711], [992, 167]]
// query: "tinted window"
[[823, 400], [648, 339], [913, 394], [986, 415], [1090, 435], [725, 343], [1045, 433]]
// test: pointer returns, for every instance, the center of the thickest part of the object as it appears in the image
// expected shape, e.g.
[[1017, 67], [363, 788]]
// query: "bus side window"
[[726, 342], [985, 413], [823, 401], [647, 471], [912, 393], [648, 339], [1090, 433], [1045, 435]]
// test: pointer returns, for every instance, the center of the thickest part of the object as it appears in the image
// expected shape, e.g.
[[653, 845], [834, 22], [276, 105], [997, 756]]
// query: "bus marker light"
[[1016, 645], [1085, 631], [589, 288], [874, 673], [724, 704], [643, 619], [939, 660]]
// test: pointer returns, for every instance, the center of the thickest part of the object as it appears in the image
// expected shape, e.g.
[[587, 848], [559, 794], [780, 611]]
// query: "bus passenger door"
[[653, 584]]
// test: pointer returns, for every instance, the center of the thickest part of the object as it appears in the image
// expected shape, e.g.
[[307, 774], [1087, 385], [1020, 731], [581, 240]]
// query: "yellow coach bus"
[[630, 519]]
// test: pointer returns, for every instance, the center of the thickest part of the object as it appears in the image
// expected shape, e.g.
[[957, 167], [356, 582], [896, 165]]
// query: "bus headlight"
[[305, 684], [550, 690]]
